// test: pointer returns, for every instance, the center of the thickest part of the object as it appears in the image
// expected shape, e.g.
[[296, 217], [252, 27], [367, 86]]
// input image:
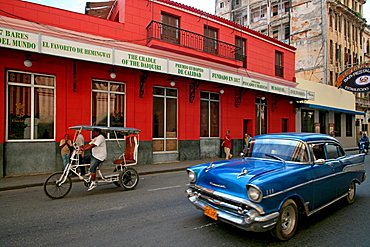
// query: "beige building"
[[329, 35]]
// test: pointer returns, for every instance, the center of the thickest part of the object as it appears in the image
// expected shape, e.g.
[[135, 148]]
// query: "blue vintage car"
[[281, 177]]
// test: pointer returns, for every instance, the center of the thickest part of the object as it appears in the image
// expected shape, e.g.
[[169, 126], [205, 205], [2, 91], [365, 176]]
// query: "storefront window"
[[164, 119], [31, 101], [261, 116], [108, 104], [307, 121], [209, 114], [337, 124], [349, 125]]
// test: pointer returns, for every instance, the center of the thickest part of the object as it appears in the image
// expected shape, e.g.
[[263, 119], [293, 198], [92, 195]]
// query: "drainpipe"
[[324, 39]]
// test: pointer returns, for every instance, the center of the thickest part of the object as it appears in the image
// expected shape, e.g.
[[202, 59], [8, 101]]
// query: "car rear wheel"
[[287, 221], [351, 196]]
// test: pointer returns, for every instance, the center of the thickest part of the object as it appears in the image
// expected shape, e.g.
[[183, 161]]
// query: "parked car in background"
[[282, 177]]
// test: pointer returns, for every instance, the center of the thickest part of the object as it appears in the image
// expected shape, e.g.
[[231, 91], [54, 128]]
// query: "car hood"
[[231, 177]]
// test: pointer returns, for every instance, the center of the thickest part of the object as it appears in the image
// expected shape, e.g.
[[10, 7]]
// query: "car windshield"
[[279, 149]]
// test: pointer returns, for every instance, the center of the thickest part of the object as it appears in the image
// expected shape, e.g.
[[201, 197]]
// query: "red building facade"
[[180, 75]]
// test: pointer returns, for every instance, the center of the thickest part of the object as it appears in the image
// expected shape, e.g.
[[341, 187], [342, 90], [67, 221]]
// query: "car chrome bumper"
[[247, 219]]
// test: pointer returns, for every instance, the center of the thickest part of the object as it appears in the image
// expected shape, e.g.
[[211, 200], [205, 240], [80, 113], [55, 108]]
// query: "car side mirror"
[[319, 162]]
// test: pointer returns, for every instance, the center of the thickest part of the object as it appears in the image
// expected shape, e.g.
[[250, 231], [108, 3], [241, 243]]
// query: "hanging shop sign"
[[278, 89], [299, 93], [15, 39], [140, 61], [78, 50], [225, 78], [44, 44], [255, 84], [188, 70], [355, 79]]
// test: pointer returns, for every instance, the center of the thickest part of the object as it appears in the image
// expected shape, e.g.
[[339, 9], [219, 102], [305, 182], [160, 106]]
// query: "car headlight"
[[254, 193], [192, 176]]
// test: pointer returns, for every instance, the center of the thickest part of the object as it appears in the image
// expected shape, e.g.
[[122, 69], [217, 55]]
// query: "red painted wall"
[[73, 107], [137, 14]]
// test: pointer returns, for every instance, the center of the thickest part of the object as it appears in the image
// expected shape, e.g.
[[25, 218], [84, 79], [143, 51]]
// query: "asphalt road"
[[157, 213]]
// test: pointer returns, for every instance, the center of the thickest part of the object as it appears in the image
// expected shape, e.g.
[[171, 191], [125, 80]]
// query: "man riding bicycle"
[[98, 154]]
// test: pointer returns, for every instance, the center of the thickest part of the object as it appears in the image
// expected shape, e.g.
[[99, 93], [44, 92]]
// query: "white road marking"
[[200, 227], [166, 188], [111, 209]]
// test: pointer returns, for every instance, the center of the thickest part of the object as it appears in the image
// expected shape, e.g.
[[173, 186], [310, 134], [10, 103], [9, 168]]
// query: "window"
[[209, 114], [337, 124], [275, 34], [30, 109], [261, 116], [210, 40], [108, 104], [287, 32], [333, 151], [222, 5], [323, 115], [331, 51], [170, 28], [240, 48], [349, 125], [258, 12], [274, 11], [284, 125], [279, 69], [307, 119], [164, 119]]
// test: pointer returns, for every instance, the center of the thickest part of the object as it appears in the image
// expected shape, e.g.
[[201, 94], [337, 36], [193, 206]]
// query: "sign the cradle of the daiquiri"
[[355, 79]]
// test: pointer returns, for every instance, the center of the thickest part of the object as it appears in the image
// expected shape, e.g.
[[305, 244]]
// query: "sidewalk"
[[11, 183]]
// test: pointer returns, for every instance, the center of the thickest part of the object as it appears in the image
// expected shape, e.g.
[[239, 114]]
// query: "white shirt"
[[100, 150], [80, 141]]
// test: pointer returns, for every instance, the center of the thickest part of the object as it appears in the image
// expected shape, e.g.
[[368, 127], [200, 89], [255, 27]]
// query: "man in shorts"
[[98, 154]]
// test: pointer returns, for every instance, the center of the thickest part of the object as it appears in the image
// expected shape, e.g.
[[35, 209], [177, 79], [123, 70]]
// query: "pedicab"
[[123, 175]]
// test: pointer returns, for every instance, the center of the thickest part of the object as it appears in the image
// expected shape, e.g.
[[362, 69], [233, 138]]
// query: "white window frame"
[[109, 95], [209, 115], [32, 100]]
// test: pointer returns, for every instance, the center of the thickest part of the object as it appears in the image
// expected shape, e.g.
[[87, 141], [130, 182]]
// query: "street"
[[157, 213]]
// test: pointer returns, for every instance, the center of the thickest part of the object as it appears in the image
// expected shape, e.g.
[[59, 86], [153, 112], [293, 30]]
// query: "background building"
[[329, 36]]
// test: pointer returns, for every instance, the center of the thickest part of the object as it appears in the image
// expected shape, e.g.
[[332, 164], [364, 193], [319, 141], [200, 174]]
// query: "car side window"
[[318, 151], [334, 151]]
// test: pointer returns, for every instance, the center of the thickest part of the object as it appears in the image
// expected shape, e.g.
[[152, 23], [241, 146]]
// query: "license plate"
[[210, 212]]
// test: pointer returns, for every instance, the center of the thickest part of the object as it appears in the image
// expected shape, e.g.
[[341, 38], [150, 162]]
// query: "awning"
[[328, 108]]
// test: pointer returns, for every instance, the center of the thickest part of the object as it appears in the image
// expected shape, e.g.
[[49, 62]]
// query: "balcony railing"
[[188, 39]]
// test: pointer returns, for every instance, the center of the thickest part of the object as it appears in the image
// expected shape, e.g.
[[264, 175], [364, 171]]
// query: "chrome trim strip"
[[328, 204], [351, 168], [232, 198]]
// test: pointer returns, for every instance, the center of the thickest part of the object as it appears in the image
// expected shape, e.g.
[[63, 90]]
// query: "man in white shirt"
[[98, 154], [80, 141]]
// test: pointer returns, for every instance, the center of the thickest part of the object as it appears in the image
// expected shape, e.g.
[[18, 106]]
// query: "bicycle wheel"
[[54, 190], [129, 178]]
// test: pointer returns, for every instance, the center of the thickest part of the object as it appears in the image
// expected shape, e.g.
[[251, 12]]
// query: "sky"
[[205, 5]]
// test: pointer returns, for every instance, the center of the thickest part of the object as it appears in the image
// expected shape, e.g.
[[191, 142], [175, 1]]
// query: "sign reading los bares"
[[355, 79]]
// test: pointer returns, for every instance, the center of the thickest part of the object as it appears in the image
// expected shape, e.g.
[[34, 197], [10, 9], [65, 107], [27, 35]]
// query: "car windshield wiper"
[[275, 157]]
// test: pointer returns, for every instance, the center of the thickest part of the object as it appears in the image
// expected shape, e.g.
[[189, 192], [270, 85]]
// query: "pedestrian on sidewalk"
[[80, 142], [64, 145], [227, 145]]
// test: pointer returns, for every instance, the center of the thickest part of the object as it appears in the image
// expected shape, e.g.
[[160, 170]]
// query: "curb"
[[74, 180]]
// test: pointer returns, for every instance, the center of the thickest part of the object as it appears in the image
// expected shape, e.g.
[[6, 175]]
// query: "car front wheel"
[[287, 221]]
